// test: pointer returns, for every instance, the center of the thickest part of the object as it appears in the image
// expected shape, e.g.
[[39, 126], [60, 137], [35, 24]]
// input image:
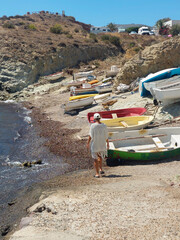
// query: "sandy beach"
[[137, 201]]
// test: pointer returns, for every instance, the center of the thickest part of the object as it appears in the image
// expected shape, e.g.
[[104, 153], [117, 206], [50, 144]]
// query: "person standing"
[[98, 137]]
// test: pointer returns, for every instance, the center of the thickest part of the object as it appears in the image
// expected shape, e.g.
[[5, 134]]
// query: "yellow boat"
[[81, 96], [127, 123]]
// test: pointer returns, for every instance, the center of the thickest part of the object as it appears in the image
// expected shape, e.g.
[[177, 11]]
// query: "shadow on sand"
[[115, 176]]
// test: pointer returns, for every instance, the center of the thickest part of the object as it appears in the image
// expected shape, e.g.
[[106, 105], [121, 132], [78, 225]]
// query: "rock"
[[5, 231], [16, 75], [26, 164], [40, 208], [152, 59], [37, 162]]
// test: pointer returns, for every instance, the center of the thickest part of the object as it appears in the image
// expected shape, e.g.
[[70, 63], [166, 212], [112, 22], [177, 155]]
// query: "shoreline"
[[30, 195], [48, 116]]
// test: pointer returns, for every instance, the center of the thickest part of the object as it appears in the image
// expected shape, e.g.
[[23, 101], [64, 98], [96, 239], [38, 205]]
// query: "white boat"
[[161, 83], [54, 76], [152, 77], [146, 144], [82, 74], [105, 87], [167, 95], [77, 104]]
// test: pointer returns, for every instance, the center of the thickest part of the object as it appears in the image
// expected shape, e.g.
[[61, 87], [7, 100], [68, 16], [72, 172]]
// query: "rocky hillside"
[[42, 43], [30, 49], [152, 59]]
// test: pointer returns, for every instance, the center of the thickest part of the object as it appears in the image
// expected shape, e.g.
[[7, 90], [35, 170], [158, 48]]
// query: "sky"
[[99, 12]]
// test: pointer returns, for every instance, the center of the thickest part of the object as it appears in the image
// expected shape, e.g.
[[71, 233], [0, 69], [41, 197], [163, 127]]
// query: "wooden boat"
[[167, 95], [126, 112], [82, 74], [72, 98], [164, 74], [127, 123], [77, 104], [54, 76], [74, 84], [106, 87], [144, 145], [80, 91]]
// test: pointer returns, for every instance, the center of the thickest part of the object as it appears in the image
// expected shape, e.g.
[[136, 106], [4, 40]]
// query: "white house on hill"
[[99, 30], [171, 23]]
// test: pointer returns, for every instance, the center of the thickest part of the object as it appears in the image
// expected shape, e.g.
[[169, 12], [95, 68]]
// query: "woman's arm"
[[89, 139]]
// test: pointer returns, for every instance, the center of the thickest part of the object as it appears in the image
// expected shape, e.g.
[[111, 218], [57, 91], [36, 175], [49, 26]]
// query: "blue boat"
[[163, 74]]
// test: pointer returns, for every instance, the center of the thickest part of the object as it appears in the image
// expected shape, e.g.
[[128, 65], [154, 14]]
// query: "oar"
[[129, 138]]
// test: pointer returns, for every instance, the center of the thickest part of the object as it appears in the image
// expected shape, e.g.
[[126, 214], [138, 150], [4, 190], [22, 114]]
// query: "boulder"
[[152, 59]]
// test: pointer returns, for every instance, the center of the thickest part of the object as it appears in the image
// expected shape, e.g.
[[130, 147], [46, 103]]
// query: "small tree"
[[57, 29], [112, 27], [130, 29], [175, 30], [163, 30], [32, 27], [8, 25]]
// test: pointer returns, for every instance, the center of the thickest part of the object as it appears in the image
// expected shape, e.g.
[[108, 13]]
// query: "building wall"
[[99, 30], [170, 23]]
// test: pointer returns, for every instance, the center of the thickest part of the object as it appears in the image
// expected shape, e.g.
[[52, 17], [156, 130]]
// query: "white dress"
[[99, 135]]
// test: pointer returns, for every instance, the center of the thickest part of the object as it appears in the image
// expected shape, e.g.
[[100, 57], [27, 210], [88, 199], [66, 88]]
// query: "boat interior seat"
[[158, 143], [175, 140], [114, 115], [124, 124]]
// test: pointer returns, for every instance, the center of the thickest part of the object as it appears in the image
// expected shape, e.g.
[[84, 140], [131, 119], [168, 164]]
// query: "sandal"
[[96, 176], [102, 172]]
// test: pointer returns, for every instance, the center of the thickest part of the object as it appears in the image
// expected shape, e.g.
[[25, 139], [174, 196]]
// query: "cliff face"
[[151, 59], [14, 76], [29, 48]]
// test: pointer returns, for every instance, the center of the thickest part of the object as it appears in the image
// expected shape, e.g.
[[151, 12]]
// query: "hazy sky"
[[99, 12]]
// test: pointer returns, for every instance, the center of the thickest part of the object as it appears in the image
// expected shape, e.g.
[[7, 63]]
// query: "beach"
[[132, 201]]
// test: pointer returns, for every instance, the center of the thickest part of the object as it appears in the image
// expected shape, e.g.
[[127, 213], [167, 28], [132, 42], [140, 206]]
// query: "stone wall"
[[15, 75], [152, 59]]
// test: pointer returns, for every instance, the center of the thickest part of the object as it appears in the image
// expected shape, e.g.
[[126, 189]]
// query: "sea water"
[[20, 142]]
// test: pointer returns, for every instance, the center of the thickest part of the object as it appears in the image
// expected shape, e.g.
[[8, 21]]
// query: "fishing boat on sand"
[[126, 112], [54, 76], [72, 98], [164, 74], [144, 145], [127, 123], [77, 104], [167, 95], [161, 83], [81, 91], [105, 87]]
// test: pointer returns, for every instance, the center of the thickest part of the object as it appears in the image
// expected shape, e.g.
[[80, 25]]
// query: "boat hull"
[[137, 156], [81, 96], [140, 145], [119, 112], [127, 123], [164, 74], [167, 95], [77, 104]]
